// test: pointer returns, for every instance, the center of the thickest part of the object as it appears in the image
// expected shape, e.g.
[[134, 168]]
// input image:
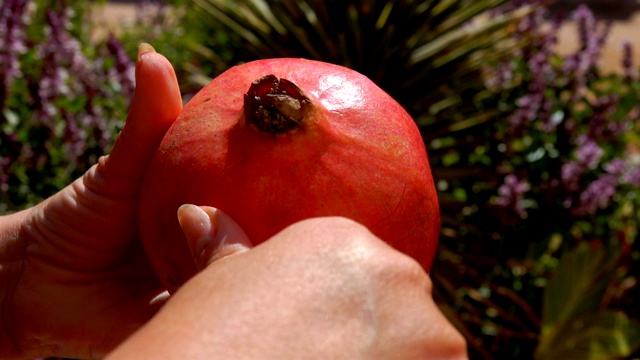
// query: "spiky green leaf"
[[573, 326]]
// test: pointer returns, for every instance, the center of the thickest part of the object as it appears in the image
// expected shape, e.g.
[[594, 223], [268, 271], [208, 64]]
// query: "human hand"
[[322, 288], [74, 276]]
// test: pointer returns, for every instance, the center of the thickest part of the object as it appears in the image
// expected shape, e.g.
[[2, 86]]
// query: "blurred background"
[[529, 110]]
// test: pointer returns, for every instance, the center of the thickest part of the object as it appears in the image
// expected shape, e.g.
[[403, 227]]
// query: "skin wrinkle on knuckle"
[[46, 244], [37, 230], [86, 197], [44, 247], [107, 185]]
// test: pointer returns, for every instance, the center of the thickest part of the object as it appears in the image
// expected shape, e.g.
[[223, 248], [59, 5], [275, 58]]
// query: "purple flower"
[[123, 72], [75, 144], [5, 169], [592, 38], [530, 108], [627, 61], [601, 122], [615, 167], [68, 74], [632, 176], [589, 154], [598, 195], [580, 65], [511, 195], [13, 21], [502, 76], [570, 173], [536, 105]]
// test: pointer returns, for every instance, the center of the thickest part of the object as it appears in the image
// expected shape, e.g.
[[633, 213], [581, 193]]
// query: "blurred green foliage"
[[574, 326]]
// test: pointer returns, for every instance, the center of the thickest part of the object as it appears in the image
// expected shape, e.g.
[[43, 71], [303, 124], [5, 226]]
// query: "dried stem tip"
[[275, 105]]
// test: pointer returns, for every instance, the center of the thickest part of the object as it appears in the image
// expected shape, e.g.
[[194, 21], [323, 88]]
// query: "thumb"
[[156, 104], [211, 234]]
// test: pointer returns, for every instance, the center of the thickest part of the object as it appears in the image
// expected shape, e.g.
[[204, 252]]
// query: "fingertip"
[[156, 86], [198, 227], [211, 234], [144, 48]]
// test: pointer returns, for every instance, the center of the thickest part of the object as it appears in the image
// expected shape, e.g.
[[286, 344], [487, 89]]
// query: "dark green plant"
[[426, 54], [575, 325]]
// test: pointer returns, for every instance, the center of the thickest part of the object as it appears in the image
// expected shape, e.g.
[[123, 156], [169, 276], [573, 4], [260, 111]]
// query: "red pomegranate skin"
[[356, 154]]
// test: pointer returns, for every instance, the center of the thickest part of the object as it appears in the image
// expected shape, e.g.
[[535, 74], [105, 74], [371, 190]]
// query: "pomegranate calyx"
[[275, 106]]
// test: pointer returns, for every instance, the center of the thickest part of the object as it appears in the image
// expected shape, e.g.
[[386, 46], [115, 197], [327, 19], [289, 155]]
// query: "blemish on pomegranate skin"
[[391, 212]]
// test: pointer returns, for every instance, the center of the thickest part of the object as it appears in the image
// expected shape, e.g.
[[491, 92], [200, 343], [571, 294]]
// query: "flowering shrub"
[[62, 100], [570, 105], [568, 134], [563, 173]]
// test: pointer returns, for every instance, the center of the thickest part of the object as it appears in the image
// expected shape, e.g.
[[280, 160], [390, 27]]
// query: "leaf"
[[579, 283], [399, 45], [573, 325], [465, 33], [598, 335]]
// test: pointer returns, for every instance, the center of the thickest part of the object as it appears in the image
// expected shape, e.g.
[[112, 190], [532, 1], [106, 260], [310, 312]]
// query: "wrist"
[[13, 246]]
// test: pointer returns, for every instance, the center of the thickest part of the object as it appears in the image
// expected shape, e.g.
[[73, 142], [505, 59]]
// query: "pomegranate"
[[275, 141]]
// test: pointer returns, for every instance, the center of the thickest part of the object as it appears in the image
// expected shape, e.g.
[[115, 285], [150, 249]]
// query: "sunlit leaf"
[[599, 335], [573, 325], [579, 283]]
